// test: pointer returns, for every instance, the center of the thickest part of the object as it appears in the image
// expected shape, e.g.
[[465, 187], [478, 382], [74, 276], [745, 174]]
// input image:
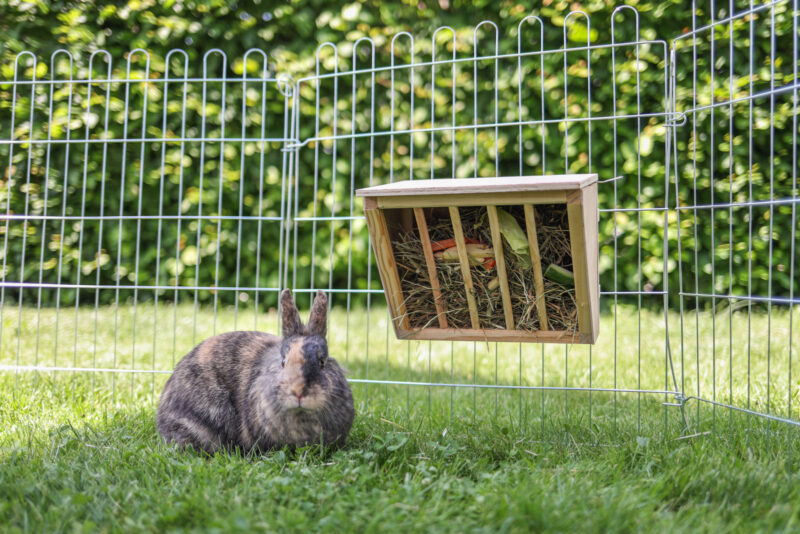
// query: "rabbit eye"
[[283, 362]]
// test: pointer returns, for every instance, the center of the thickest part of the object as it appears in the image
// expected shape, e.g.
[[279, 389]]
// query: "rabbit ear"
[[318, 320], [291, 319]]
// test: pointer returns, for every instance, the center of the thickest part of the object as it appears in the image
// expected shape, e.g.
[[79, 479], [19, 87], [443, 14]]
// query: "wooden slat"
[[579, 266], [516, 336], [430, 262], [497, 244], [471, 199], [460, 186], [465, 270], [536, 260], [588, 203], [387, 267]]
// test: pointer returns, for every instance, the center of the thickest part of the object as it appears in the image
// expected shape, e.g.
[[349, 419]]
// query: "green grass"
[[80, 452]]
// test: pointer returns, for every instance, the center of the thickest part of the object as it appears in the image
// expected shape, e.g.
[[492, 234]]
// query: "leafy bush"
[[729, 153]]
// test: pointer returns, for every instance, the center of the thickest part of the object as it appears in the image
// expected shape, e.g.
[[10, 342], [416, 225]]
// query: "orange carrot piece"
[[444, 244]]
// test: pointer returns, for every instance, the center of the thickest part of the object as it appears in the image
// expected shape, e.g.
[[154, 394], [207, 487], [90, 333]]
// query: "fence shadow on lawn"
[[53, 415], [455, 385]]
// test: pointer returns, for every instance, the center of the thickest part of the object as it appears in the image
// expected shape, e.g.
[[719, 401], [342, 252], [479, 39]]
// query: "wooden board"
[[583, 217], [500, 260], [511, 336], [461, 186], [430, 262], [458, 234], [591, 217], [536, 262], [471, 199], [384, 256]]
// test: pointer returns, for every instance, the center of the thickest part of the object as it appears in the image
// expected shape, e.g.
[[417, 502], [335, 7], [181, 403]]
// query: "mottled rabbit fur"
[[251, 390]]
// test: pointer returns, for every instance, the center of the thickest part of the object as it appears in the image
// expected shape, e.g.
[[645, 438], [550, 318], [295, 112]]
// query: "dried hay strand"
[[554, 246]]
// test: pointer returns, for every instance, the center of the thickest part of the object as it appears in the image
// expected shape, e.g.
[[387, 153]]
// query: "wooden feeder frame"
[[577, 191]]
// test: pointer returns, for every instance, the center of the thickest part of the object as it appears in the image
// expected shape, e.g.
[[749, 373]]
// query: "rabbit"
[[255, 391]]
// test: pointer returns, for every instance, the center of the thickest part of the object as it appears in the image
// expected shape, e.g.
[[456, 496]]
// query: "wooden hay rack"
[[399, 211]]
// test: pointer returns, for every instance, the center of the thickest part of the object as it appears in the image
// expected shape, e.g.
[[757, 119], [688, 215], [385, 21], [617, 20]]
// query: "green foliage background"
[[725, 153]]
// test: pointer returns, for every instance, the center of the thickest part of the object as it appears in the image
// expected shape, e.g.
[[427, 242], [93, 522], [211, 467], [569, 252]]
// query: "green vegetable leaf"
[[514, 234]]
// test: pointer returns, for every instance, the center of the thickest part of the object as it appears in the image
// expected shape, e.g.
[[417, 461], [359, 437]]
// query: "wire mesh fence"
[[151, 202], [735, 80]]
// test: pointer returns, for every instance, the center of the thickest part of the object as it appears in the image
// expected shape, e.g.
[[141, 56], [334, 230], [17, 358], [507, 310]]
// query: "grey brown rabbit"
[[251, 390]]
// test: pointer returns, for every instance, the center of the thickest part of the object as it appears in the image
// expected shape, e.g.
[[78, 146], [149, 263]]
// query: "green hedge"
[[165, 178]]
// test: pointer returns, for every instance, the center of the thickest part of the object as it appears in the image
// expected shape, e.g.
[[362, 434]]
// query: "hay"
[[554, 247]]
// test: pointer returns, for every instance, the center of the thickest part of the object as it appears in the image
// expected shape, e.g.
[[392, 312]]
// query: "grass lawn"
[[80, 452]]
